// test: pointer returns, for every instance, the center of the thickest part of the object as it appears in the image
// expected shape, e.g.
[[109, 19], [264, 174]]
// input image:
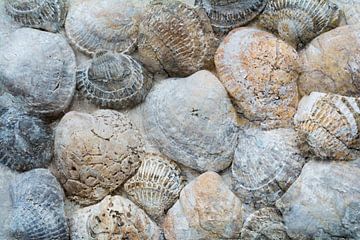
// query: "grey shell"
[[114, 80], [38, 207], [43, 14]]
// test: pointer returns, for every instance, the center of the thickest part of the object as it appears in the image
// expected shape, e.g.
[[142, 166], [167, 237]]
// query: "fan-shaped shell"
[[299, 21], [43, 14], [156, 185], [176, 38], [114, 81]]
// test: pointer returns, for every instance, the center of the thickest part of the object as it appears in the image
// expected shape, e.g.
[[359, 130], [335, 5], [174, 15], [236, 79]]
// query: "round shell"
[[299, 21], [176, 38], [156, 185], [43, 14], [114, 81], [192, 121], [26, 142]]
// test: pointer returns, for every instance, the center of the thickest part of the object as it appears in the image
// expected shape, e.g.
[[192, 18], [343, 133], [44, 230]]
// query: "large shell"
[[156, 185], [226, 15], [330, 125], [114, 80], [26, 142], [299, 21], [38, 207], [43, 14], [176, 38]]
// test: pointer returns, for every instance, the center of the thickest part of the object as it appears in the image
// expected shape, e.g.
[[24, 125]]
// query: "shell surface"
[[114, 80], [351, 9], [176, 38]]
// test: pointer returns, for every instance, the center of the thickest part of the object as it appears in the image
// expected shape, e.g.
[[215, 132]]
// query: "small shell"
[[299, 21], [114, 81], [43, 14], [156, 185]]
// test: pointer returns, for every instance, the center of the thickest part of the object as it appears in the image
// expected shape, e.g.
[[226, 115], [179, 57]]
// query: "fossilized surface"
[[351, 10]]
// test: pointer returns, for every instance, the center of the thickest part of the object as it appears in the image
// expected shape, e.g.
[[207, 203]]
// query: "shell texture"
[[299, 21], [176, 38], [156, 185], [26, 142], [38, 207], [114, 80]]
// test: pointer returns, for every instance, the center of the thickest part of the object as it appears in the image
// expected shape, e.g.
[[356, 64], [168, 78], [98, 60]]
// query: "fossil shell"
[[192, 121], [229, 14], [95, 25], [176, 38], [330, 125], [38, 207], [43, 14], [26, 142], [299, 21], [156, 185], [114, 81]]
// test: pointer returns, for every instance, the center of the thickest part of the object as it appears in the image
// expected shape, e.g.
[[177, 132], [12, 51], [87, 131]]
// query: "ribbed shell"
[[43, 14], [176, 38], [156, 185], [299, 21], [114, 81]]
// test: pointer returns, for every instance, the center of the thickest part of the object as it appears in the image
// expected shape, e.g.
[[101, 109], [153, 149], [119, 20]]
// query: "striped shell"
[[43, 14], [299, 21], [156, 185], [176, 38]]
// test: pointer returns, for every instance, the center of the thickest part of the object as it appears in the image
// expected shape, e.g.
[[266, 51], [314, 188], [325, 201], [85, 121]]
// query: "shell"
[[156, 185], [43, 14], [330, 125], [114, 81], [226, 15], [38, 207], [351, 9], [26, 142], [299, 21], [176, 38], [95, 25]]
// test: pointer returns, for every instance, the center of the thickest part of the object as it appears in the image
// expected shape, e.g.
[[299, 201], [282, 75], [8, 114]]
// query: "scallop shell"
[[114, 81], [26, 142], [43, 14], [226, 15], [176, 38], [156, 185], [38, 207], [299, 21]]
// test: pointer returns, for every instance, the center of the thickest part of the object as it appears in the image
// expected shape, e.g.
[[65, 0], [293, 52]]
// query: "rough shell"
[[299, 21], [39, 67], [113, 218], [26, 142], [330, 125], [114, 81], [95, 154], [156, 185], [38, 207], [260, 73], [176, 38], [226, 15], [191, 120]]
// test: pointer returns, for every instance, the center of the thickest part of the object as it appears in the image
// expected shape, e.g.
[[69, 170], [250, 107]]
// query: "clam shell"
[[114, 81]]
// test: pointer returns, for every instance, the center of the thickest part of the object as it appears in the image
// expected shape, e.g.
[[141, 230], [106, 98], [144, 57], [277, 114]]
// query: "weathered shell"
[[113, 218], [299, 21], [192, 121], [156, 185], [176, 38], [330, 125], [226, 15], [114, 80], [43, 14], [26, 142], [38, 207], [351, 9], [95, 25]]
